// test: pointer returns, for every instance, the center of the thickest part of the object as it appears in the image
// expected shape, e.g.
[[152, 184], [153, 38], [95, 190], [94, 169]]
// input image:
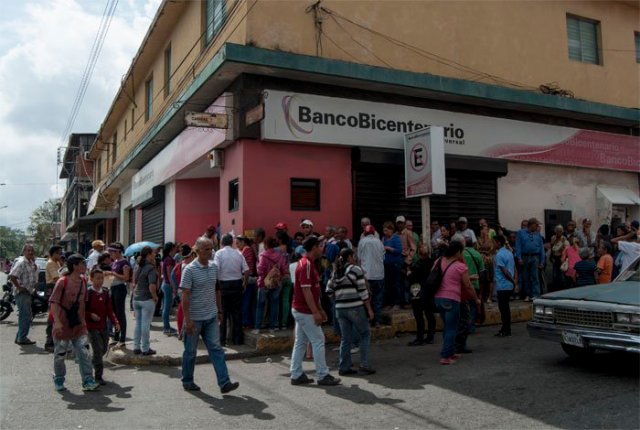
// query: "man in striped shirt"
[[200, 300], [353, 311]]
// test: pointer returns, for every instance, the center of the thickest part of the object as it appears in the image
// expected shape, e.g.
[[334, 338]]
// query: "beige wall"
[[522, 41], [530, 188]]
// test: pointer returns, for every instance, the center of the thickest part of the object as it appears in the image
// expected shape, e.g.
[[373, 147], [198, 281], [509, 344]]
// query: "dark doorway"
[[552, 218]]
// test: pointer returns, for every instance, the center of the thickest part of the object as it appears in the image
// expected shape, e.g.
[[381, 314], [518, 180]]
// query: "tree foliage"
[[11, 242], [45, 225]]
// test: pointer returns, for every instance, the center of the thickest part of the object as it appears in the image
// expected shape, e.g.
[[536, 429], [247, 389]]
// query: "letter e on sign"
[[419, 157]]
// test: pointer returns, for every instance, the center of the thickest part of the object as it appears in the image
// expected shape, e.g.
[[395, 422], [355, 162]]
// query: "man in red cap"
[[281, 226], [371, 254]]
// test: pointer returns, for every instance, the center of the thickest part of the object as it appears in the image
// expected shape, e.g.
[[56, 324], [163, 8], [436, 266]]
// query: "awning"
[[68, 236], [619, 196], [103, 200]]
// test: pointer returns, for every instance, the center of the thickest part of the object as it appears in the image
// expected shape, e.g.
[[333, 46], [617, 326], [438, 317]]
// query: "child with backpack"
[[98, 311]]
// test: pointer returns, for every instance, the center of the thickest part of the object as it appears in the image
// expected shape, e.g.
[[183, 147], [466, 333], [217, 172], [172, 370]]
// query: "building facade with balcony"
[[539, 104], [78, 228]]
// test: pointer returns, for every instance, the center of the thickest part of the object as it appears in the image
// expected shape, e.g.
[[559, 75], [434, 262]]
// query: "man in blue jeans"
[[24, 277], [371, 255], [530, 254], [200, 300]]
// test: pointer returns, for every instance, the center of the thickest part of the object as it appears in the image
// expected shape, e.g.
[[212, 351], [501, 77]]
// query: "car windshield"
[[632, 273]]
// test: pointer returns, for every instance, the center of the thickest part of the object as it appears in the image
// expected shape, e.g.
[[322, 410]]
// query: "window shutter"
[[573, 36], [589, 40]]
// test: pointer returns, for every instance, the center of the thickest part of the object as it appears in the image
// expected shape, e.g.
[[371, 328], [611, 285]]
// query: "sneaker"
[[416, 342], [355, 350], [191, 386], [347, 372], [329, 380], [170, 332], [447, 361], [365, 370], [25, 342], [59, 386], [90, 385], [255, 331], [49, 348], [137, 351], [229, 387], [101, 381], [149, 352], [527, 299], [301, 380]]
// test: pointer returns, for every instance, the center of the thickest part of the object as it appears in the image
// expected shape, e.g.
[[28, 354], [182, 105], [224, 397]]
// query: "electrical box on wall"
[[216, 159]]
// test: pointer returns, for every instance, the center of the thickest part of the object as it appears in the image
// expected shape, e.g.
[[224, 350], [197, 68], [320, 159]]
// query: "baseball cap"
[[400, 218], [369, 229], [281, 226], [306, 222], [300, 250], [97, 243], [462, 219]]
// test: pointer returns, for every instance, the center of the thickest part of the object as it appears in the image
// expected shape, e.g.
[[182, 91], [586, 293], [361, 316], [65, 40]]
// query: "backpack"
[[73, 313], [273, 278], [434, 280]]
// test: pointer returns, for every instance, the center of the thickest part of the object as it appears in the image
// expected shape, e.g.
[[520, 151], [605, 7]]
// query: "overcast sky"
[[44, 49]]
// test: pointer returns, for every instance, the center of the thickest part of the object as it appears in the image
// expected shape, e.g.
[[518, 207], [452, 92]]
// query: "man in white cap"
[[463, 229], [306, 226], [96, 252]]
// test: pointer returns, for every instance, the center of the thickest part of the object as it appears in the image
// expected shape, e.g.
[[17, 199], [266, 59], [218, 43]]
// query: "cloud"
[[44, 49]]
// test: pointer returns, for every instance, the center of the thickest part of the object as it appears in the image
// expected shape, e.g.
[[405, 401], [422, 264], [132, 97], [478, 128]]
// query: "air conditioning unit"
[[85, 155], [216, 159]]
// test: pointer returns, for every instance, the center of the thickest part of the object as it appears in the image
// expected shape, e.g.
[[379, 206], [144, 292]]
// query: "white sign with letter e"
[[424, 162]]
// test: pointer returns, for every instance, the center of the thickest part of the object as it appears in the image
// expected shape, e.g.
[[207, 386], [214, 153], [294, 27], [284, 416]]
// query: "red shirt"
[[250, 258], [99, 303], [306, 277]]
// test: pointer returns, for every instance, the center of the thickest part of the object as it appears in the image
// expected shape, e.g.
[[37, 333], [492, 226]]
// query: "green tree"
[[44, 226], [11, 242]]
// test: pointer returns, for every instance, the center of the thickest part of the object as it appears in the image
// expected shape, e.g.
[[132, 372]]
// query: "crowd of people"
[[223, 285]]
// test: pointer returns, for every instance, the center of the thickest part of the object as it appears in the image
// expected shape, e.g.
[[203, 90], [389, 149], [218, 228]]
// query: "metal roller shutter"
[[153, 223], [132, 226], [379, 195]]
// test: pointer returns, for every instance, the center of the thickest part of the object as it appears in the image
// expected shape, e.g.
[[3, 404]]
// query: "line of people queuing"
[[353, 286]]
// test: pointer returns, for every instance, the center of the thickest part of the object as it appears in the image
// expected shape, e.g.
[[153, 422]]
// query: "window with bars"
[[305, 194], [234, 195], [637, 36], [584, 39], [214, 15]]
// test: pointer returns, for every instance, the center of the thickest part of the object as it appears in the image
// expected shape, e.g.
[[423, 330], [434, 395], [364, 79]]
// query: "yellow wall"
[[188, 57], [521, 41]]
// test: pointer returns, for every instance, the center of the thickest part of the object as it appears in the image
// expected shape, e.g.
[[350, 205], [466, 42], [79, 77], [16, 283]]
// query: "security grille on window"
[[234, 195], [214, 17], [583, 37], [305, 194]]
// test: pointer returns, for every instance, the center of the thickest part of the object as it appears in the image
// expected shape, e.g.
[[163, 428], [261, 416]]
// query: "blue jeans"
[[81, 350], [209, 330], [450, 313], [393, 283], [167, 302], [23, 302], [530, 280], [143, 311], [274, 306], [353, 320], [377, 299], [247, 304], [307, 331], [473, 313]]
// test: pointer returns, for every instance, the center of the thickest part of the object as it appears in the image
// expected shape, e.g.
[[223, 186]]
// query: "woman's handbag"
[[565, 265]]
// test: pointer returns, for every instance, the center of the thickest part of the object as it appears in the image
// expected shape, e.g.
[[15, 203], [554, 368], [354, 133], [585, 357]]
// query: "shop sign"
[[306, 118], [206, 119], [424, 162]]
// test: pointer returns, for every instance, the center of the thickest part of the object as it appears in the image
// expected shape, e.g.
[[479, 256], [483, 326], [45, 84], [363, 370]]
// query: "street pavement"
[[510, 383]]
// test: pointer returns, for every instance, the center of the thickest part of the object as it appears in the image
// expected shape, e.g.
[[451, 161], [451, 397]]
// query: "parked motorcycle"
[[39, 302]]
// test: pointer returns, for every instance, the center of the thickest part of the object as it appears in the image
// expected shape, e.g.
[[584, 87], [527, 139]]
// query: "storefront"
[[335, 160]]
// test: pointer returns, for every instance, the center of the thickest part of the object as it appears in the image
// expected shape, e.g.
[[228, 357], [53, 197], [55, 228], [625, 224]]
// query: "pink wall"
[[197, 206], [265, 174]]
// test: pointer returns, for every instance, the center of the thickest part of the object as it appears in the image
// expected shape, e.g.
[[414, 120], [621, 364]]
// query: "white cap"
[[400, 218], [306, 222]]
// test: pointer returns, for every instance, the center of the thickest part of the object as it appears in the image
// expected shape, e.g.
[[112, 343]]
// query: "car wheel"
[[576, 351]]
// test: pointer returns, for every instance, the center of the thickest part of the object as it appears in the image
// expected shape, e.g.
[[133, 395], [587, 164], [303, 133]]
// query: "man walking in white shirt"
[[371, 254]]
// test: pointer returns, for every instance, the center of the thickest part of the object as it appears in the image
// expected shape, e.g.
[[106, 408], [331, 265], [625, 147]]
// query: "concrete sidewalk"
[[169, 348]]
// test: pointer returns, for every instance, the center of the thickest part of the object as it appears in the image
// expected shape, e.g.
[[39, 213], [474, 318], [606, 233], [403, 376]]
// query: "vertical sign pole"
[[426, 222]]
